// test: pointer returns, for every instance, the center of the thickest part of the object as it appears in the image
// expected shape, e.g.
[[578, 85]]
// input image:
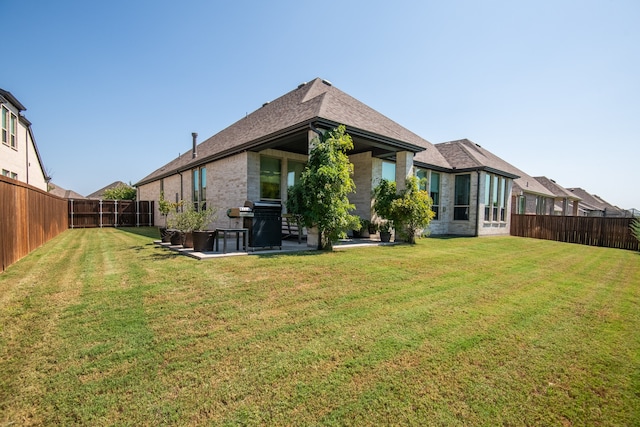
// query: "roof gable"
[[317, 100], [556, 189]]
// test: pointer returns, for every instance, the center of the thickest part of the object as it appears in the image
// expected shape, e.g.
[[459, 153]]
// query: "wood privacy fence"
[[85, 213], [593, 231], [29, 217]]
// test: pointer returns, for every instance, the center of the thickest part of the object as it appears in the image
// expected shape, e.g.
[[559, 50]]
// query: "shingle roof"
[[99, 194], [56, 190], [309, 102], [556, 189], [465, 154], [12, 99], [596, 203]]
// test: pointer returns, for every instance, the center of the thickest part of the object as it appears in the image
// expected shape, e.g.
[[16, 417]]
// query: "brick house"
[[262, 154]]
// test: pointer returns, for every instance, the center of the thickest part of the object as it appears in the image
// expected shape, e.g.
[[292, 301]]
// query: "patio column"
[[404, 168]]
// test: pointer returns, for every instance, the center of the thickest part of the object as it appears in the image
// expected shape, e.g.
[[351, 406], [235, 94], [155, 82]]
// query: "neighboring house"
[[565, 202], [261, 155], [99, 195], [592, 205], [19, 156], [63, 193]]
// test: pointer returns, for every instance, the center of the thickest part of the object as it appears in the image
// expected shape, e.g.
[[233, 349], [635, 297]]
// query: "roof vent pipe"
[[194, 152]]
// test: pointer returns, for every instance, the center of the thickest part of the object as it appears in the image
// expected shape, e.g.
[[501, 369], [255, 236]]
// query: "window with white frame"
[[5, 125]]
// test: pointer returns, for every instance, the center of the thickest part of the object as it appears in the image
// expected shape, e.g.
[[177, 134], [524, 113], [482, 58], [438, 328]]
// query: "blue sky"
[[115, 88]]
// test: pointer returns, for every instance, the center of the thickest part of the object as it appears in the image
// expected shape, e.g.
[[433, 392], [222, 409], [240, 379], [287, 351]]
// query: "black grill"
[[264, 225]]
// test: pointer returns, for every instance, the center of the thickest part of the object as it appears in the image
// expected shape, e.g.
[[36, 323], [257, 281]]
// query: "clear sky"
[[115, 88]]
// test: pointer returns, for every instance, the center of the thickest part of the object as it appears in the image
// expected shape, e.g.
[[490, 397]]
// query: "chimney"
[[194, 152]]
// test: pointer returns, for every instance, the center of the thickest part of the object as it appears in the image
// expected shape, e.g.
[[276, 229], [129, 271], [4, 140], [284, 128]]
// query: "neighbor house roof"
[[595, 203], [100, 193], [12, 99], [56, 190], [317, 103], [558, 190]]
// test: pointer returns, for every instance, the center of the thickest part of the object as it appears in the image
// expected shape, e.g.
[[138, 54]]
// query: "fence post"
[[71, 213], [115, 214]]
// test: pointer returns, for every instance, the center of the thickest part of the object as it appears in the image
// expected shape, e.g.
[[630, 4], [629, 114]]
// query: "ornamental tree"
[[320, 198], [120, 192], [409, 211]]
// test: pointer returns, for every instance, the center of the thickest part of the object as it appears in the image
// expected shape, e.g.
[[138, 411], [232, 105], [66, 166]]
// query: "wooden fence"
[[29, 217], [84, 213], [593, 231]]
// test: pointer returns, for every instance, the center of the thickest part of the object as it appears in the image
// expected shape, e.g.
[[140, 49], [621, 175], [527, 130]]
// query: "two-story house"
[[19, 156]]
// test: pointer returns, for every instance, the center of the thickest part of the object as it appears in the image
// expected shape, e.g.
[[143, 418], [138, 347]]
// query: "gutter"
[[478, 204]]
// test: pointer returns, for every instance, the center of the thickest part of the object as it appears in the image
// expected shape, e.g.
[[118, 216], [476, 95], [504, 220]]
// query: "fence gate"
[[84, 213]]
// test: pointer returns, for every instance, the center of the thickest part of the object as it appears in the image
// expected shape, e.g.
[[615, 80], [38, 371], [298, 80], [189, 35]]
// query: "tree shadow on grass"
[[151, 232]]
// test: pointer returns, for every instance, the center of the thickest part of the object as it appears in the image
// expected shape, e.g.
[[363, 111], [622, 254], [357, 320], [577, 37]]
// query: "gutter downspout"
[[477, 204]]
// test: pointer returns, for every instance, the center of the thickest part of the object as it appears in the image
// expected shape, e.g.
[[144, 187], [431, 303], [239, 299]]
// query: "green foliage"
[[191, 219], [409, 211], [320, 198], [164, 206], [635, 228], [120, 192]]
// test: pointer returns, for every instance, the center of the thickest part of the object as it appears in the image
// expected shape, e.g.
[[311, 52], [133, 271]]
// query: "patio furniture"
[[224, 232]]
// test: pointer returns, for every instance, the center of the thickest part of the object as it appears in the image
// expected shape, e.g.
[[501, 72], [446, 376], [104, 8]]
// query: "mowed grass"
[[100, 327]]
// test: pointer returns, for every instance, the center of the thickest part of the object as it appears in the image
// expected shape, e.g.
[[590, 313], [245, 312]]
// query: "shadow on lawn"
[[151, 232]]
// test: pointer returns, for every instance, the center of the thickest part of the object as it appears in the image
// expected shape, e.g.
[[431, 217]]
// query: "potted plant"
[[363, 231], [373, 227], [164, 206], [384, 194], [203, 239], [385, 231]]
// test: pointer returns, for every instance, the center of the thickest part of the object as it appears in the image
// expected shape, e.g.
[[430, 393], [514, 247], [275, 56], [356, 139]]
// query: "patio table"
[[230, 231]]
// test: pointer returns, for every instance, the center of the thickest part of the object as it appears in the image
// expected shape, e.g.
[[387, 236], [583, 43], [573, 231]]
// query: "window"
[[199, 188], [270, 169], [462, 197], [434, 192], [14, 175], [12, 131], [294, 170], [495, 190], [5, 125], [423, 180], [389, 171], [503, 198], [5, 172], [541, 205], [487, 197]]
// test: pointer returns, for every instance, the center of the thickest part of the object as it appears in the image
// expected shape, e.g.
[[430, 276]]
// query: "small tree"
[[320, 198], [164, 206], [409, 211], [412, 210], [120, 192]]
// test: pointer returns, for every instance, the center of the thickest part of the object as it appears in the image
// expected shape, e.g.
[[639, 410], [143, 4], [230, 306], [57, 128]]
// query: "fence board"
[[592, 231], [85, 213], [29, 217]]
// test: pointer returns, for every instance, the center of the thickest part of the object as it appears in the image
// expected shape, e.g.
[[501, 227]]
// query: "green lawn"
[[100, 327]]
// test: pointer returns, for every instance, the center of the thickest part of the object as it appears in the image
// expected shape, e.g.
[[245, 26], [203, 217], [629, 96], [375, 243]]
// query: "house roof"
[[285, 122], [595, 203], [56, 190], [12, 99], [555, 188], [464, 154], [100, 193]]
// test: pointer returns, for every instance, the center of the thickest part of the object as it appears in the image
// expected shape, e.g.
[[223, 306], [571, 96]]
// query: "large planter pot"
[[165, 235], [385, 236], [203, 241], [187, 239], [175, 237]]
